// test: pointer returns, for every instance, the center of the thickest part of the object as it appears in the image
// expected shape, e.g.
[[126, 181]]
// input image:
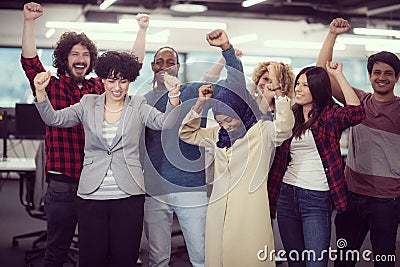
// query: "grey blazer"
[[123, 154]]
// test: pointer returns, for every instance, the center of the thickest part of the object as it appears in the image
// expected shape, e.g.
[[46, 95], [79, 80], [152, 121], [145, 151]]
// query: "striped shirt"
[[373, 161], [108, 189]]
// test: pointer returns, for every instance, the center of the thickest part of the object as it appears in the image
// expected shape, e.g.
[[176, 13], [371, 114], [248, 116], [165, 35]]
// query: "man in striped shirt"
[[373, 161]]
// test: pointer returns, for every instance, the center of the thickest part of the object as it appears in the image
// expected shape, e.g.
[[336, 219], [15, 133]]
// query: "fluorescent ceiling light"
[[106, 4], [248, 3], [372, 44], [244, 38], [299, 45], [188, 8], [378, 32], [377, 11], [353, 41], [92, 26], [178, 24], [367, 41], [50, 33], [161, 37], [257, 59], [378, 47]]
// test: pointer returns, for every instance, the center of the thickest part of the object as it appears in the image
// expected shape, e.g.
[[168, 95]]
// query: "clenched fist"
[[205, 92], [41, 80]]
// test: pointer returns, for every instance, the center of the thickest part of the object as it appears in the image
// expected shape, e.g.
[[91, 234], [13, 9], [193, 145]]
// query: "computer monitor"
[[7, 121], [28, 124]]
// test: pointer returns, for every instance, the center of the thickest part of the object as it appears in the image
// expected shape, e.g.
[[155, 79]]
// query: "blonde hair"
[[286, 79]]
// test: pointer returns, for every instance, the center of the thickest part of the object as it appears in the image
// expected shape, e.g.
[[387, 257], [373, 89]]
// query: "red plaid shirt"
[[327, 130], [64, 146]]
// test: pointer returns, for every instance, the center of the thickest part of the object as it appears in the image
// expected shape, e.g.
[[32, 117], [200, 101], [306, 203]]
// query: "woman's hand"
[[205, 92], [334, 68], [41, 80], [275, 70]]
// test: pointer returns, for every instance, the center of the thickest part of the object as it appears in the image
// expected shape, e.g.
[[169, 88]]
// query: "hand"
[[238, 53], [41, 80], [267, 93], [143, 20], [334, 68], [218, 38], [339, 26], [205, 92], [32, 11], [172, 83], [275, 70]]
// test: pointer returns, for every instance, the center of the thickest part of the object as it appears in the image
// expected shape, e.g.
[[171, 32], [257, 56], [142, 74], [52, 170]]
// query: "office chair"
[[32, 188]]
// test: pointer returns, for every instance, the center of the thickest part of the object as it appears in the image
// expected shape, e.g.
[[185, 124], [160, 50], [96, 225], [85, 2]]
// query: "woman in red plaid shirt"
[[306, 178]]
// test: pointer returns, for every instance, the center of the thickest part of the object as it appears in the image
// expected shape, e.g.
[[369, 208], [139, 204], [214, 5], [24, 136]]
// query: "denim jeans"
[[368, 214], [158, 218], [61, 214], [304, 220]]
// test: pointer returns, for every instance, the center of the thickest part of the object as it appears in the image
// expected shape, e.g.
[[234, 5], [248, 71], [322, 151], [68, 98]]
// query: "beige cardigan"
[[238, 226]]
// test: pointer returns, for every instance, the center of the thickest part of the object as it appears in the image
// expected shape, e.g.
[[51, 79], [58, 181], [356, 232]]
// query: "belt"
[[63, 187]]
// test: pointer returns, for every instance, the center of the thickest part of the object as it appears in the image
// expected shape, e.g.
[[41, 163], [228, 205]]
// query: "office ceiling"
[[359, 12], [292, 20]]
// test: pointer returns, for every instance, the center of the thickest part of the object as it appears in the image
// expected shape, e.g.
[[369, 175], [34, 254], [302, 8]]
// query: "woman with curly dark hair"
[[74, 57], [111, 186]]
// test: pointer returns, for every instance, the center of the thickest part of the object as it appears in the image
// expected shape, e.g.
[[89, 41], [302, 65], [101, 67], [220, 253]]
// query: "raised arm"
[[139, 46], [335, 69], [234, 66], [190, 130], [32, 11], [66, 117], [235, 79], [336, 27], [213, 74]]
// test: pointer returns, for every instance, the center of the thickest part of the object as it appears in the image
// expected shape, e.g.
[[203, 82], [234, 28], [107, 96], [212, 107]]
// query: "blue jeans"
[[158, 218], [304, 220], [61, 214], [369, 214]]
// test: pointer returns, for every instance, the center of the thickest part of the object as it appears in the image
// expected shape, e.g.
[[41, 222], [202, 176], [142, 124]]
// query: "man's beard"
[[76, 79]]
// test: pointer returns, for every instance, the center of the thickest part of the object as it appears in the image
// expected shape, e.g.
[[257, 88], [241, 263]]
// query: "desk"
[[18, 165], [26, 168]]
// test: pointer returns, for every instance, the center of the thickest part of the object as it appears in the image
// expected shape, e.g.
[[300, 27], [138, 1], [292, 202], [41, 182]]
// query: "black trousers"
[[110, 231]]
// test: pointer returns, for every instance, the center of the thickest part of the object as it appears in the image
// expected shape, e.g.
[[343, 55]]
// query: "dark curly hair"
[[64, 46], [321, 91], [113, 63]]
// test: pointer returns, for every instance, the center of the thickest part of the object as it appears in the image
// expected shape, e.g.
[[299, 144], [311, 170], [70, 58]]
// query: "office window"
[[15, 87]]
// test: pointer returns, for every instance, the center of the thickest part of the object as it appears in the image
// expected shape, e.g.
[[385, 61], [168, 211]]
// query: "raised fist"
[[32, 11], [41, 80], [205, 92]]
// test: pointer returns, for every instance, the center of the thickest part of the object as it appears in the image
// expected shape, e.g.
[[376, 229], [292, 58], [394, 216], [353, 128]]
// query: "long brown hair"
[[321, 91]]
